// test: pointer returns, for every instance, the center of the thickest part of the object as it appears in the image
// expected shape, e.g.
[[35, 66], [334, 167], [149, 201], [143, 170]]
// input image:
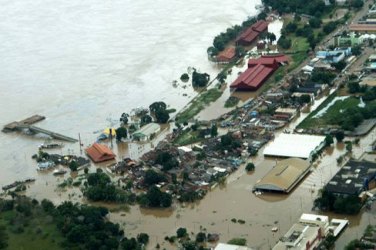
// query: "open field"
[[330, 116]]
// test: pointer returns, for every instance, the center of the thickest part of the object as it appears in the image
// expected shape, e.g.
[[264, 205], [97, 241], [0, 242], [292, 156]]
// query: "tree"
[[184, 77], [155, 106], [291, 27], [162, 116], [212, 51], [284, 43], [329, 27], [340, 135], [181, 232], [315, 22], [156, 198], [339, 65], [73, 166], [143, 238], [238, 241], [199, 79], [250, 167], [353, 87], [239, 51], [121, 133], [214, 131], [145, 119], [328, 140], [271, 37], [124, 118], [151, 177], [349, 147], [304, 99], [3, 237], [222, 77], [356, 50], [200, 237], [357, 4]]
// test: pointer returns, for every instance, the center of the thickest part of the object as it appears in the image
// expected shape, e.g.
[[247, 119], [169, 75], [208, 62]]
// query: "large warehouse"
[[294, 145], [284, 176]]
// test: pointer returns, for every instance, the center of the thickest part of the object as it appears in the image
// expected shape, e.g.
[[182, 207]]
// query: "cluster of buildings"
[[309, 232], [246, 38], [367, 23], [355, 178]]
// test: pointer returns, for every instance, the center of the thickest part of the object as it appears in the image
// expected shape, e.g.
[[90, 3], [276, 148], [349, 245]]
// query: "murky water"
[[81, 64], [261, 213]]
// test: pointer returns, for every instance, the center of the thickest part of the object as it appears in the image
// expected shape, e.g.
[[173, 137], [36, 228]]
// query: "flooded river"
[[81, 64]]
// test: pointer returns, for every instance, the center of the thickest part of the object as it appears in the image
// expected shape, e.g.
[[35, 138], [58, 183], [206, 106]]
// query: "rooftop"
[[352, 178], [148, 129], [293, 145], [99, 152], [223, 246], [284, 176]]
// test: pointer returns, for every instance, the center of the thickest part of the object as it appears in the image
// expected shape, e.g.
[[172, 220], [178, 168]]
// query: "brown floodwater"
[[261, 213], [83, 64]]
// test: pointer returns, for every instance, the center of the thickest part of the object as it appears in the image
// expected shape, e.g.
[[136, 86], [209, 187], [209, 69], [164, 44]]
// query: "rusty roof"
[[99, 152]]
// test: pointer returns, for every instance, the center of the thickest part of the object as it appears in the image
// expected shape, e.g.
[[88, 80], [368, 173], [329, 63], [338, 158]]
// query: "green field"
[[187, 137], [330, 117], [34, 232], [199, 104]]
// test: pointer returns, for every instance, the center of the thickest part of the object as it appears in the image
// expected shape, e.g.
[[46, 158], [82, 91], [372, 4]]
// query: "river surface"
[[81, 64]]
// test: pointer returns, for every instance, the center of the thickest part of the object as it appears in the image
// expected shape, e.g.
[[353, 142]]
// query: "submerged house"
[[226, 56], [146, 132], [99, 153]]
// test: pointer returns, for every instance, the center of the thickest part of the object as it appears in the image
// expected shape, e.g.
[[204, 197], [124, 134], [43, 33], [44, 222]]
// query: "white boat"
[[45, 165], [59, 172]]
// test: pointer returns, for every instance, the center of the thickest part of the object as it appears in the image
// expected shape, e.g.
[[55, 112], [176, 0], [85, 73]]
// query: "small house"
[[99, 153], [146, 132]]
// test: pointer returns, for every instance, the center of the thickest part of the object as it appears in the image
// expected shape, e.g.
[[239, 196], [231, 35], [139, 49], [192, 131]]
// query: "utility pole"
[[79, 141]]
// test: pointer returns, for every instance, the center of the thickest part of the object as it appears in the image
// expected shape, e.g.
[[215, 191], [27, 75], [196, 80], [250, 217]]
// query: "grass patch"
[[232, 101], [331, 116], [38, 232], [309, 121], [199, 104], [297, 59], [187, 137]]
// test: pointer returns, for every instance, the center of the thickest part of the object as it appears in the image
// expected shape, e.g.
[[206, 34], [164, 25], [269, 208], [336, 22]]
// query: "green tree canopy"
[[200, 79]]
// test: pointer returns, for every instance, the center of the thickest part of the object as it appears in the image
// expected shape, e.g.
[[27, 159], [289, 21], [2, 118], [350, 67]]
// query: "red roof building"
[[98, 153], [250, 34], [227, 55], [258, 72]]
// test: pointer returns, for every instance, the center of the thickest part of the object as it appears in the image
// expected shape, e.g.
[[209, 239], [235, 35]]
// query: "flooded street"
[[261, 213]]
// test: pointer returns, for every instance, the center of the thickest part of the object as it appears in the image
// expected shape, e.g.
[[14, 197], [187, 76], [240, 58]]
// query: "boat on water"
[[45, 165], [17, 183], [51, 145], [59, 171]]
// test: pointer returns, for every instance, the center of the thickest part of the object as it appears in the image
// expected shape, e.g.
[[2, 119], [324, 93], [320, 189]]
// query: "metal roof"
[[284, 176], [293, 145]]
